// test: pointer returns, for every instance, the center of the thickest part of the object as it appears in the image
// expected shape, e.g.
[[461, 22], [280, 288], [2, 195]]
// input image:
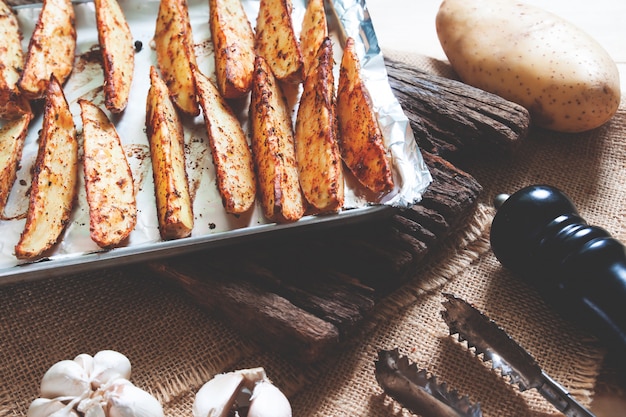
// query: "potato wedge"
[[314, 31], [12, 136], [51, 48], [165, 133], [53, 187], [273, 149], [175, 54], [118, 53], [360, 139], [232, 158], [108, 179], [317, 150], [233, 43], [12, 103], [276, 40]]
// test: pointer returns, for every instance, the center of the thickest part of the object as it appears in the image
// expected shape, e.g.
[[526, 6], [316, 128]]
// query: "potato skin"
[[173, 39], [12, 103], [12, 137], [314, 31], [108, 179], [273, 148], [276, 40], [53, 187], [118, 53], [360, 139], [232, 158], [317, 149], [166, 137], [233, 40], [51, 48], [566, 80]]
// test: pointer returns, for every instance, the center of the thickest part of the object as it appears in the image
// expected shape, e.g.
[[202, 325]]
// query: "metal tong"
[[414, 391]]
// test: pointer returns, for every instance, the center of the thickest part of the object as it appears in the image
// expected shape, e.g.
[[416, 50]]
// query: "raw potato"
[[276, 40], [165, 134], [51, 48], [273, 148], [118, 53], [233, 41], [12, 136], [12, 103], [317, 151], [566, 80], [231, 153], [108, 179], [53, 187], [314, 31], [360, 139], [175, 54]]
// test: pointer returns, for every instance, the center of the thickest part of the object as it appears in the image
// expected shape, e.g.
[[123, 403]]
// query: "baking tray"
[[75, 251]]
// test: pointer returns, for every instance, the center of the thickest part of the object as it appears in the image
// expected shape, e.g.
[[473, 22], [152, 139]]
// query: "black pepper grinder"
[[579, 269]]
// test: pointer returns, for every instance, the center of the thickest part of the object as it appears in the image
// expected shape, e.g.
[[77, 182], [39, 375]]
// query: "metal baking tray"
[[75, 252]]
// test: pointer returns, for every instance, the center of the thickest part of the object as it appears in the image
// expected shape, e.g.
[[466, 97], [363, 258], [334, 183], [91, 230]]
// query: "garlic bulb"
[[95, 386], [234, 391]]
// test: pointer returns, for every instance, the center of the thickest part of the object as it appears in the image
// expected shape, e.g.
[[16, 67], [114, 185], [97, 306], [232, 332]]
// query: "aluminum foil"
[[213, 226]]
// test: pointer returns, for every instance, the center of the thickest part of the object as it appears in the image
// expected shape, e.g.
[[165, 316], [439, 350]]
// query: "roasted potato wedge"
[[53, 187], [276, 40], [317, 151], [12, 136], [360, 139], [165, 133], [118, 53], [12, 103], [175, 54], [51, 48], [232, 158], [108, 179], [233, 43], [314, 31], [273, 148]]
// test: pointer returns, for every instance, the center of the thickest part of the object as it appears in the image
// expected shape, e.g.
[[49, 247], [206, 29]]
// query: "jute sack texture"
[[175, 346]]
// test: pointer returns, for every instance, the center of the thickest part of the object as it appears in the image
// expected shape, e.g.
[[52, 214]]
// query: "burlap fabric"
[[174, 346]]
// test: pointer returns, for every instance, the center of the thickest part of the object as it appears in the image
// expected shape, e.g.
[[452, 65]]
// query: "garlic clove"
[[109, 365], [217, 397], [123, 399], [268, 401], [65, 379], [86, 361], [95, 410], [46, 407]]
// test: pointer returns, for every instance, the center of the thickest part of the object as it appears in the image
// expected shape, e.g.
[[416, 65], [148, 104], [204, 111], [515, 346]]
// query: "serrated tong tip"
[[417, 391], [493, 344]]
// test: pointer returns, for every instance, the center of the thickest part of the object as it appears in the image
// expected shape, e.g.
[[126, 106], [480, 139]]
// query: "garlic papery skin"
[[268, 401], [217, 397], [65, 379], [46, 407], [109, 365], [123, 399]]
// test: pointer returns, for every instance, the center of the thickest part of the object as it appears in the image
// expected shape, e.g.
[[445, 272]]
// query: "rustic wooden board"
[[303, 294]]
